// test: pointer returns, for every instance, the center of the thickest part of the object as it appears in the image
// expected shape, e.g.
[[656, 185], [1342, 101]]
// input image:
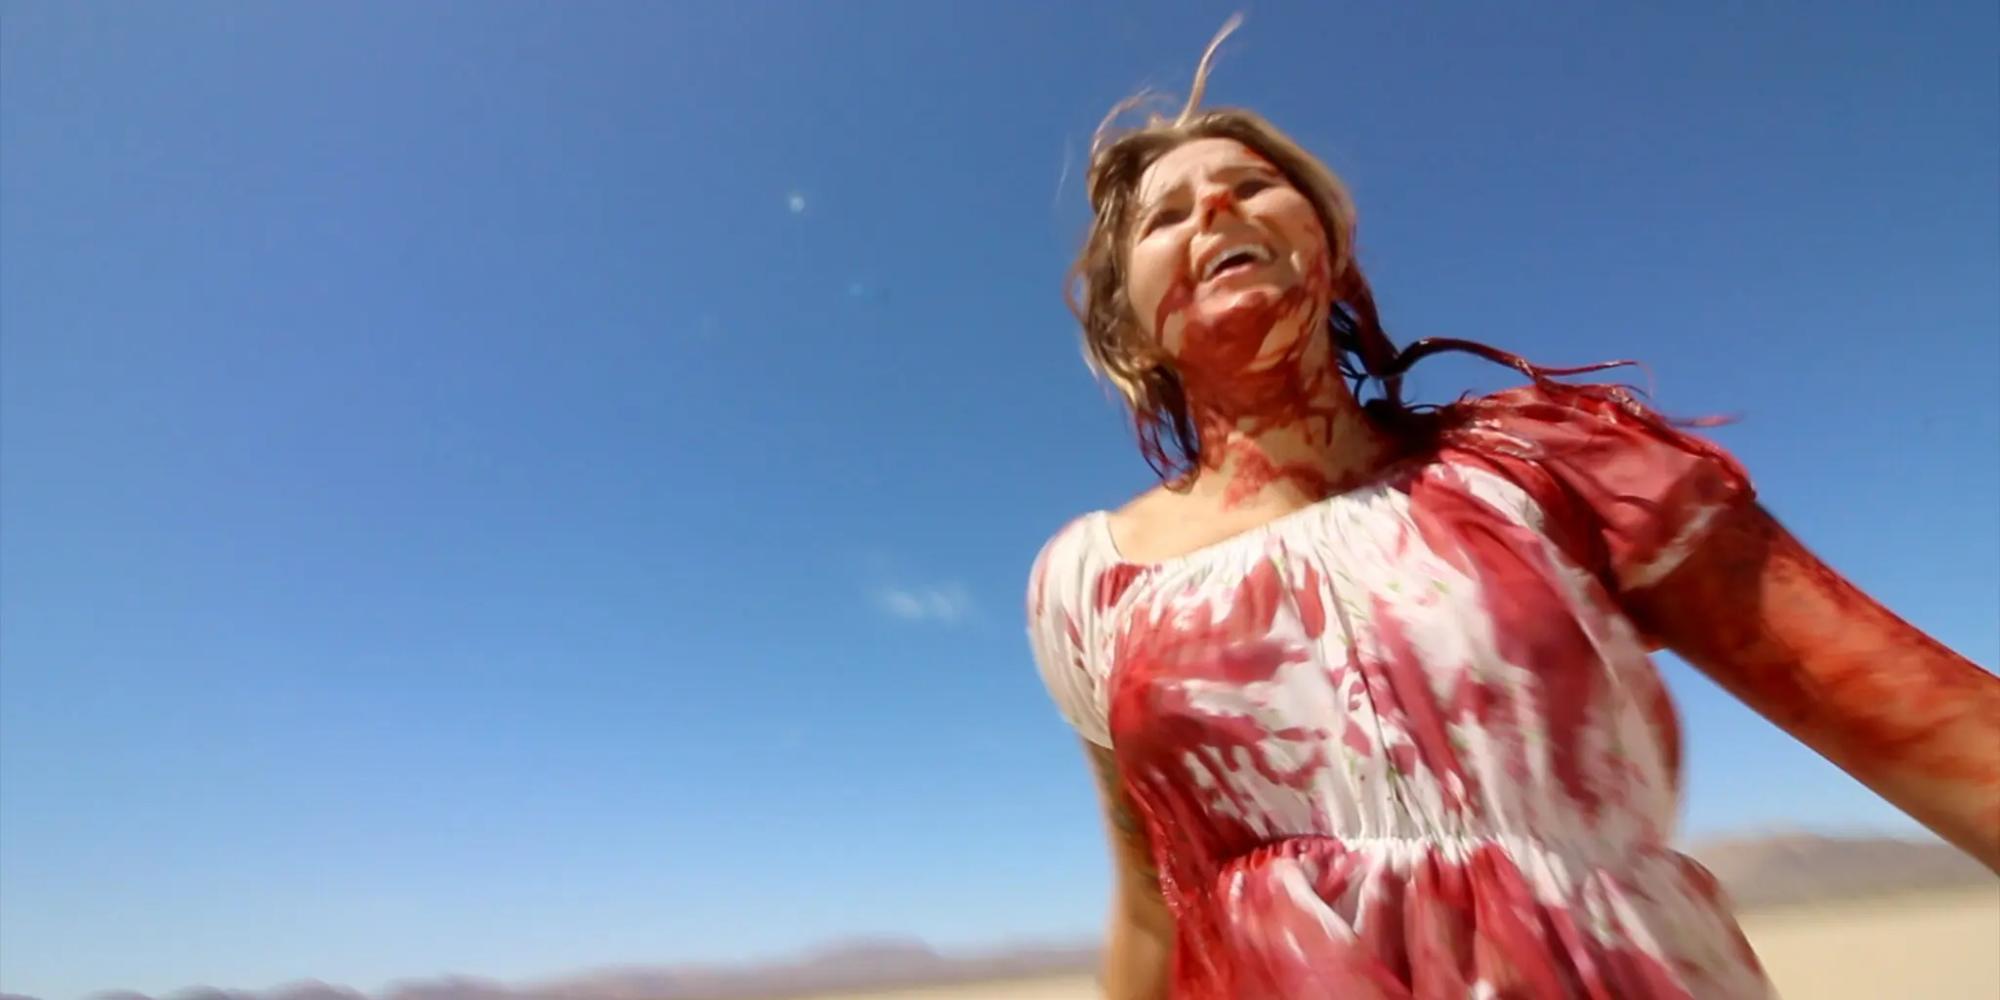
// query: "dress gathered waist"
[[1602, 854]]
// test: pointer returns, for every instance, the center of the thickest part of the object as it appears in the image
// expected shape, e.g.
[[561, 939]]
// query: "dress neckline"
[[1100, 520]]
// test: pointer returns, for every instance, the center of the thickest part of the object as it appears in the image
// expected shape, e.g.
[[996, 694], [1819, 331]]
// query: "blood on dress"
[[1533, 628]]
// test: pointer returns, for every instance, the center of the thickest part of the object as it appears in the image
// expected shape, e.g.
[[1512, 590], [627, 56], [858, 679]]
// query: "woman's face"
[[1223, 248]]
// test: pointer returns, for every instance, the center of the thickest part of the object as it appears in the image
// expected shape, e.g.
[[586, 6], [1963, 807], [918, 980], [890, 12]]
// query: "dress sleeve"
[[1646, 493], [1061, 631]]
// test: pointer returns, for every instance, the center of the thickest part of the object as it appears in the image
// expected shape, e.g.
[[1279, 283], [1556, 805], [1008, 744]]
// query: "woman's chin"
[[1222, 301]]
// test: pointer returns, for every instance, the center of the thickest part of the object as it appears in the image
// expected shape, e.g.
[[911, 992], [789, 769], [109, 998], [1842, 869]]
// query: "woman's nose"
[[1214, 203]]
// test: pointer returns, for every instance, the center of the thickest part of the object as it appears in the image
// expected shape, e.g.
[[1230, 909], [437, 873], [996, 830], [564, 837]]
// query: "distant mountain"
[[854, 965], [1766, 870], [1788, 868]]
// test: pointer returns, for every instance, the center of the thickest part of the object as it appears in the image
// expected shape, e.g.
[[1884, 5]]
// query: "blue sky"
[[512, 487]]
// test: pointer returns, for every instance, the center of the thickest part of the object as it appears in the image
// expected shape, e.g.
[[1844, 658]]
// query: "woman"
[[1366, 686]]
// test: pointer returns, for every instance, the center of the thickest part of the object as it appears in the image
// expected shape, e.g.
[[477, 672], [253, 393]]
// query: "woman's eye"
[[1245, 189], [1163, 217]]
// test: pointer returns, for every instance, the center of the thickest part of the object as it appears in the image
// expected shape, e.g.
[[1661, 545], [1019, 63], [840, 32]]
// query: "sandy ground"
[[1943, 945], [1934, 946]]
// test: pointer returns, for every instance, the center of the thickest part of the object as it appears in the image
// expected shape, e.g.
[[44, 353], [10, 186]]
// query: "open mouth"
[[1235, 258]]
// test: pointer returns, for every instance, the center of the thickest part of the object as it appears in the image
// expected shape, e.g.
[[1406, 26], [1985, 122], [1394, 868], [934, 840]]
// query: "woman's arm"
[[1770, 622], [1139, 940]]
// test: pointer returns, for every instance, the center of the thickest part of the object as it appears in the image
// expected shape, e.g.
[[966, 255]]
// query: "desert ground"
[[1935, 945]]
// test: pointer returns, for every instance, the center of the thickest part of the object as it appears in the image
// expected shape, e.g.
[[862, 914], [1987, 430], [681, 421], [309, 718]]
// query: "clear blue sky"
[[511, 487]]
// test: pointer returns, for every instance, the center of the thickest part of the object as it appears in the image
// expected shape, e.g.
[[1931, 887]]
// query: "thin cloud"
[[945, 604]]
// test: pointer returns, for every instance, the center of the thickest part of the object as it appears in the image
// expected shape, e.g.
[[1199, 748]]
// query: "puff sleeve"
[[1062, 630], [1639, 492]]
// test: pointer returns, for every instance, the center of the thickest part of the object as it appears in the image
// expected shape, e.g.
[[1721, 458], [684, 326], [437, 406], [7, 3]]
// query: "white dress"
[[1404, 742]]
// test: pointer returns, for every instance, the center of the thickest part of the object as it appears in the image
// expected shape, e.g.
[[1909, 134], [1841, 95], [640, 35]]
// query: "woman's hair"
[[1118, 349]]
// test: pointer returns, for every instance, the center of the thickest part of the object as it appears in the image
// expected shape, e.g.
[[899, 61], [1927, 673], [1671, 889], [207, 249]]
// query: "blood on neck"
[[1269, 420]]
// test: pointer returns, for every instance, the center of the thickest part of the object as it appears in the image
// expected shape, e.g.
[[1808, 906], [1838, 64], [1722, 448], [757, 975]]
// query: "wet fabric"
[[1404, 742]]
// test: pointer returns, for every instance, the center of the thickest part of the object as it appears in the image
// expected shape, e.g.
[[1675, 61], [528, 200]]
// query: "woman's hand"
[[1770, 622], [1138, 944]]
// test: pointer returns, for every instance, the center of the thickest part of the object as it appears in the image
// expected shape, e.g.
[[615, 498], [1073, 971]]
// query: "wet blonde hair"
[[1116, 345]]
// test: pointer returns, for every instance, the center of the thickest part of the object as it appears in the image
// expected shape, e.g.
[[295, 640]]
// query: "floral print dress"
[[1404, 742]]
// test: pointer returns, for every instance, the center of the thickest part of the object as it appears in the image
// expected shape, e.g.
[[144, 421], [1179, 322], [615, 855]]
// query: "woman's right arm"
[[1139, 941]]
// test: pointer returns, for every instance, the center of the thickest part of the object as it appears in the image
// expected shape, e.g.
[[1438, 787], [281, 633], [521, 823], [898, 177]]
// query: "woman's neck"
[[1284, 435]]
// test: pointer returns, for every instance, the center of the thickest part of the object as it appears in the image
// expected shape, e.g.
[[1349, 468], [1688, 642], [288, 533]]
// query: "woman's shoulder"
[[1602, 428], [1062, 628], [1073, 563], [1154, 524], [1066, 561], [1547, 413], [1597, 455]]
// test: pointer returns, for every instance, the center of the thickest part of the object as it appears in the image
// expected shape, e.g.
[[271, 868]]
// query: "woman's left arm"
[[1765, 618]]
